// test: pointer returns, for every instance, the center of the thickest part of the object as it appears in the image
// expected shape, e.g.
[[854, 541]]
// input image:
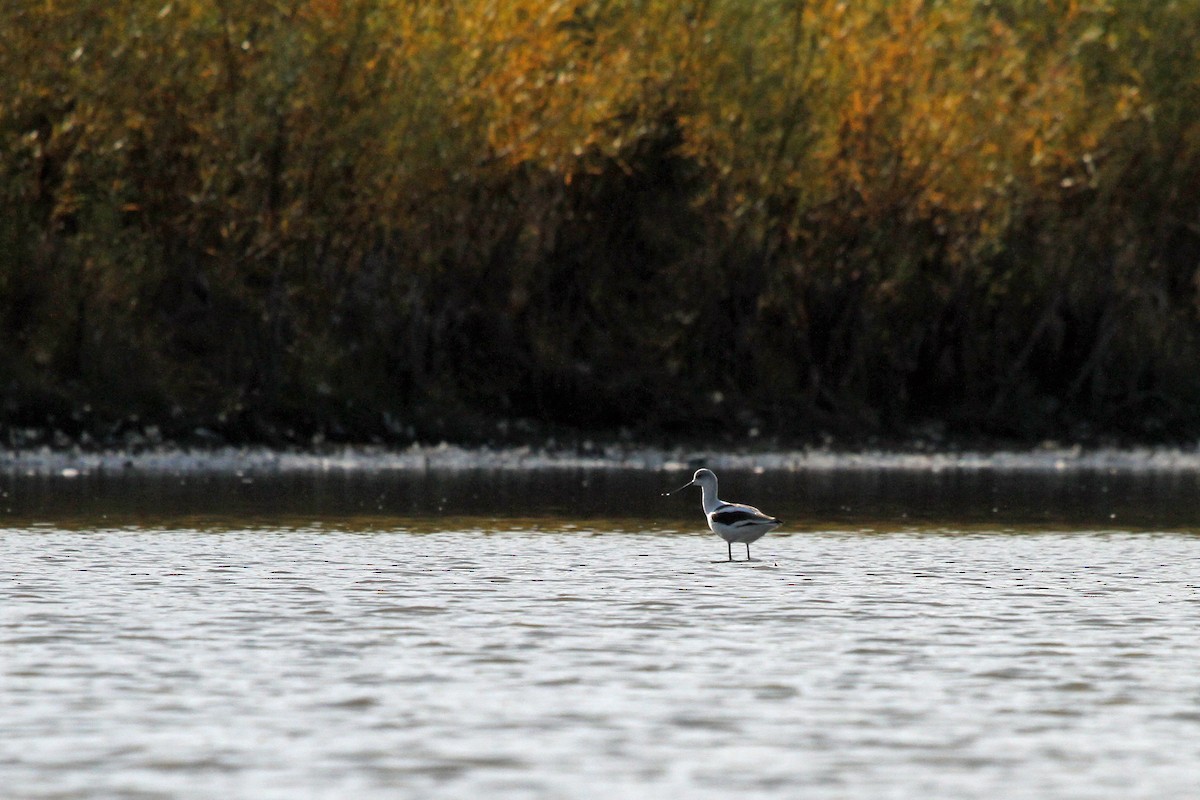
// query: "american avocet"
[[733, 522]]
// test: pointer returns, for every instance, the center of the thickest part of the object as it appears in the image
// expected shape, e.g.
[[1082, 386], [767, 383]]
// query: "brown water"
[[573, 634]]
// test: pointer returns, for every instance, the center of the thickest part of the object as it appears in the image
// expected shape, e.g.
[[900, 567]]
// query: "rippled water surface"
[[265, 640]]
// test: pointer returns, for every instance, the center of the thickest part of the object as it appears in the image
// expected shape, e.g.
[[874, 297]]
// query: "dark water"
[[883, 500], [573, 634]]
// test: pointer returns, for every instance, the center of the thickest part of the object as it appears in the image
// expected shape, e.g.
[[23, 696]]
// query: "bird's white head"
[[704, 478]]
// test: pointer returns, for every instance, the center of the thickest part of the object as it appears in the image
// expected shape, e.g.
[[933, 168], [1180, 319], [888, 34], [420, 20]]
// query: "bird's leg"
[[729, 545], [747, 551]]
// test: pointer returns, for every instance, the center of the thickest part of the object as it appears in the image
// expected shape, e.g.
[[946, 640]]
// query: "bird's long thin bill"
[[681, 488]]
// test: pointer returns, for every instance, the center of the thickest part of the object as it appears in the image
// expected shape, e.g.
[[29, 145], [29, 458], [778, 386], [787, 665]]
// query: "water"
[[465, 636]]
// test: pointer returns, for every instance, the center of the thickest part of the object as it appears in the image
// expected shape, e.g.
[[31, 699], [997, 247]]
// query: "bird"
[[733, 522]]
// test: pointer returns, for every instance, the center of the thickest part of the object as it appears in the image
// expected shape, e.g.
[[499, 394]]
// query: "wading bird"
[[733, 522]]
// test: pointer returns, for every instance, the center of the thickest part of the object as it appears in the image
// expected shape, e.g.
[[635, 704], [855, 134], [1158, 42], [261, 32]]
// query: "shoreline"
[[168, 460]]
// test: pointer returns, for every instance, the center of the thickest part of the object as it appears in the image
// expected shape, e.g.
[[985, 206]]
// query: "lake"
[[571, 633]]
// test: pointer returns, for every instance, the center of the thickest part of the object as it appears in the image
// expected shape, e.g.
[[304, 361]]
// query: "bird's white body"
[[733, 522]]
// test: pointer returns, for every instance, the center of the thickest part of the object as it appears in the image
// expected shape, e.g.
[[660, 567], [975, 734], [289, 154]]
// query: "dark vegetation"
[[386, 220]]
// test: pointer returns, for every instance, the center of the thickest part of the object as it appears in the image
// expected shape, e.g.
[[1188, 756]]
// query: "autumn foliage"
[[387, 219]]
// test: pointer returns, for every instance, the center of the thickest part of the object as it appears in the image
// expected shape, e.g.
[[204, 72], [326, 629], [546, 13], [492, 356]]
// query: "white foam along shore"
[[446, 457]]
